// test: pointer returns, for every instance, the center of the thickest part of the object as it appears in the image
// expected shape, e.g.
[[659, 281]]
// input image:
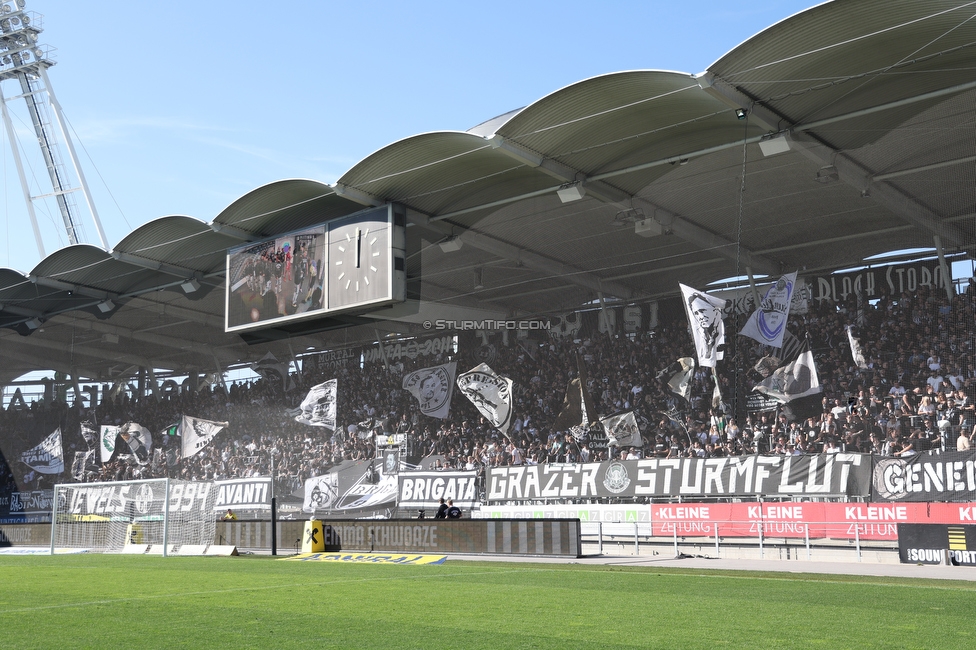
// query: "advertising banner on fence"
[[927, 544], [814, 475], [244, 493], [424, 489], [931, 476]]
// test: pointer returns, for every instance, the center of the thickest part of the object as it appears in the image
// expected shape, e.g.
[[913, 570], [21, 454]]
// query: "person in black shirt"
[[441, 510]]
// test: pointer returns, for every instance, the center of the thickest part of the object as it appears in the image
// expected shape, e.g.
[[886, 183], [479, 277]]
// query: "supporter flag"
[[717, 391], [622, 430], [768, 323], [856, 350], [321, 492], [89, 434], [792, 347], [575, 413], [767, 365], [106, 441], [46, 457], [319, 406], [274, 372], [197, 433], [139, 440], [794, 380], [82, 463], [707, 328], [171, 430], [490, 393], [571, 414], [432, 387], [680, 382]]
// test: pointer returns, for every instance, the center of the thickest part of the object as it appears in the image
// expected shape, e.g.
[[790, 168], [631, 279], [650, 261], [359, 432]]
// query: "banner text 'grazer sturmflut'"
[[820, 475]]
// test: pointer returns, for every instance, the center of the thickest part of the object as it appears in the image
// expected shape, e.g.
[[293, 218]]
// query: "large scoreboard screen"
[[349, 265]]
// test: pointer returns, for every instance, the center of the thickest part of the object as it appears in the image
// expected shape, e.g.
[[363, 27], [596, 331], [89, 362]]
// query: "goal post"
[[108, 517]]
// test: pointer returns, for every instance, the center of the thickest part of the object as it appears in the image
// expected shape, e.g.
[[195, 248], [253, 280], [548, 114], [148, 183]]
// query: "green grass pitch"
[[112, 601]]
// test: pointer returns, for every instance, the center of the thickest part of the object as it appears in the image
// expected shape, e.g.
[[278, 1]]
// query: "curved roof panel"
[[856, 139]]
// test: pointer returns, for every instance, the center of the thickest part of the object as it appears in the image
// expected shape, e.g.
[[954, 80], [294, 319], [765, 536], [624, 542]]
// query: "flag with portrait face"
[[705, 320], [622, 430], [432, 387], [318, 409]]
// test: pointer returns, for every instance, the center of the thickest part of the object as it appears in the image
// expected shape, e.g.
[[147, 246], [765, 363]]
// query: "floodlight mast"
[[23, 59]]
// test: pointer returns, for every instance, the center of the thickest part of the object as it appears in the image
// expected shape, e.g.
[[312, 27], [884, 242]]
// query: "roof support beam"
[[707, 240], [849, 170], [603, 191], [81, 290], [532, 260], [153, 265], [599, 190]]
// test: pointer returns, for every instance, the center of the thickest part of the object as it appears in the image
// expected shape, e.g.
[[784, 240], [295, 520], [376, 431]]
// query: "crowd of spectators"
[[916, 394]]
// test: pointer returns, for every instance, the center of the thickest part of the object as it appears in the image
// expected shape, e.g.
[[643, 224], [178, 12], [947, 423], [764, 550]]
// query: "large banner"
[[351, 486], [243, 493], [425, 489], [892, 280], [932, 476], [814, 475]]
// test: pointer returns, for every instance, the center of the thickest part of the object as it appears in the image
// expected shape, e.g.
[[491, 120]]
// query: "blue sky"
[[180, 108]]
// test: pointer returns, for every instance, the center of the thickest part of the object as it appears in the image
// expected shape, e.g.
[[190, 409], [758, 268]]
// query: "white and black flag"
[[319, 406], [856, 351], [490, 393], [622, 430], [107, 434], [707, 328], [197, 433], [794, 380], [47, 457], [432, 387], [768, 323], [139, 440], [680, 382]]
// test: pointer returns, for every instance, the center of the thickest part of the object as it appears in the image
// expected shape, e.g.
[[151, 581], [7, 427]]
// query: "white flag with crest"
[[768, 323], [197, 433]]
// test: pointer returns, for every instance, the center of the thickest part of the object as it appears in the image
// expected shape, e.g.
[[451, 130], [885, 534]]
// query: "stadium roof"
[[842, 132]]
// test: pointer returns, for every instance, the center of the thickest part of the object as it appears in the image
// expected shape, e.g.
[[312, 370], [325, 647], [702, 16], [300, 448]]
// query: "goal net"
[[108, 517]]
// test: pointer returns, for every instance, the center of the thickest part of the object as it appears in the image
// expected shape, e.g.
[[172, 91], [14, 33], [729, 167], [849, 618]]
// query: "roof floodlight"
[[33, 323], [570, 193], [740, 113], [451, 245], [106, 306], [190, 285]]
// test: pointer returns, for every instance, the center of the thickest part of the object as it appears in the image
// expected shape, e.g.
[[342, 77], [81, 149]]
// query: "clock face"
[[359, 260]]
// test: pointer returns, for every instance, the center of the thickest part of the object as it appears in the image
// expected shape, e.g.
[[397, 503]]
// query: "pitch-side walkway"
[[937, 572]]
